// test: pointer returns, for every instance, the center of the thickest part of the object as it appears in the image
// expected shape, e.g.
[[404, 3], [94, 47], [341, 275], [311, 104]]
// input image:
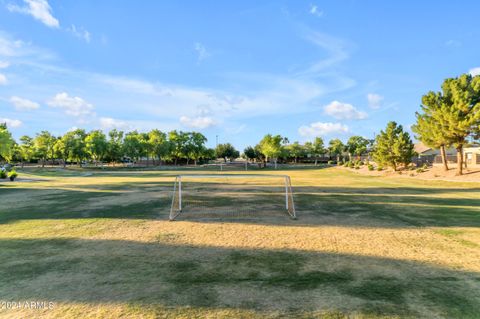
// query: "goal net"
[[232, 195]]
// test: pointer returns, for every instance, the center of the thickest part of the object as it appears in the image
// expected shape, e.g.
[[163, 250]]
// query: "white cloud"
[[202, 52], [4, 64], [344, 111], [3, 79], [108, 123], [374, 100], [10, 122], [80, 33], [474, 71], [23, 104], [322, 129], [315, 11], [74, 106], [199, 122], [38, 9]]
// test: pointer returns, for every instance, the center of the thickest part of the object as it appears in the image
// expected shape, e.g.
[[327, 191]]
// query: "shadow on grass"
[[352, 206], [164, 274]]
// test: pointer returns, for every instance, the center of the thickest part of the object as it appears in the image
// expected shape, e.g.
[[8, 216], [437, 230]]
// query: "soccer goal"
[[232, 195]]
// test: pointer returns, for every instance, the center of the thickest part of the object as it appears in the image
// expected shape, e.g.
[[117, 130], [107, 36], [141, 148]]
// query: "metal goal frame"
[[175, 210]]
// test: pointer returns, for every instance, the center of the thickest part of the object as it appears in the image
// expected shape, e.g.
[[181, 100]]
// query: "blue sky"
[[236, 69]]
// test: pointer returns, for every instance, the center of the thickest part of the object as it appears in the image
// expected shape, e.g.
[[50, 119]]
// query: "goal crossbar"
[[176, 207]]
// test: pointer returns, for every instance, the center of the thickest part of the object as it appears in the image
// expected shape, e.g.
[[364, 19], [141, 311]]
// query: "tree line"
[[447, 118], [392, 147], [116, 146]]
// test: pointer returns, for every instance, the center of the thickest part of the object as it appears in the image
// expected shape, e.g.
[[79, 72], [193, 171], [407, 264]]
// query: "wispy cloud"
[[453, 43], [255, 94], [316, 11], [22, 104], [3, 79], [322, 129], [39, 10], [202, 52], [374, 100], [335, 48], [80, 32], [4, 64], [344, 111]]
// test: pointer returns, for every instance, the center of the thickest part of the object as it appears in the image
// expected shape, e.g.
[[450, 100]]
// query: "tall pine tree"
[[428, 129], [459, 115]]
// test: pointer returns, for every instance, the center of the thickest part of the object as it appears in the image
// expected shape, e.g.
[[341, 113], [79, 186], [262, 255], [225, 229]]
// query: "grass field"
[[98, 244]]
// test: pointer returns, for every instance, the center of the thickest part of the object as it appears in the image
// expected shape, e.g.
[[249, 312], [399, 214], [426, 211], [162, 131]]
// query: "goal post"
[[220, 195]]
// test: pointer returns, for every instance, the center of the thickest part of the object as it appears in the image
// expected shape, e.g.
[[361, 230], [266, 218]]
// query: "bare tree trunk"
[[444, 157], [316, 160], [459, 160]]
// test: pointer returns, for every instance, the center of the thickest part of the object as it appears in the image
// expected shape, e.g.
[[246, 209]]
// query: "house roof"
[[421, 148]]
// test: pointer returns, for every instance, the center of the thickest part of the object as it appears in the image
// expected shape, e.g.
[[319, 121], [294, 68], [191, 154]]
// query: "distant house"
[[472, 156], [424, 150]]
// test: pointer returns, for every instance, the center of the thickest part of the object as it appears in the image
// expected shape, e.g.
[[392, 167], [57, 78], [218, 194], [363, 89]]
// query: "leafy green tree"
[[96, 145], [357, 145], [78, 150], [6, 143], [250, 153], [459, 113], [226, 151], [179, 141], [160, 147], [271, 147], [295, 150], [196, 146], [208, 154], [64, 146], [114, 146], [336, 148], [44, 146], [316, 148], [393, 147], [26, 149], [134, 145]]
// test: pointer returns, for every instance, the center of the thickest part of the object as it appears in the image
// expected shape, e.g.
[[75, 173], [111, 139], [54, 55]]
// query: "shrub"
[[3, 174], [370, 167], [351, 165], [420, 170], [357, 166], [330, 162], [380, 168], [425, 166], [12, 174]]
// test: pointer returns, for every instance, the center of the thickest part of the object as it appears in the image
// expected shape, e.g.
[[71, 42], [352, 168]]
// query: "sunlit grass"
[[98, 244]]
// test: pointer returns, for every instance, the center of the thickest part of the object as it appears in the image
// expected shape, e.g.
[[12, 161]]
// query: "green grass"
[[97, 243]]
